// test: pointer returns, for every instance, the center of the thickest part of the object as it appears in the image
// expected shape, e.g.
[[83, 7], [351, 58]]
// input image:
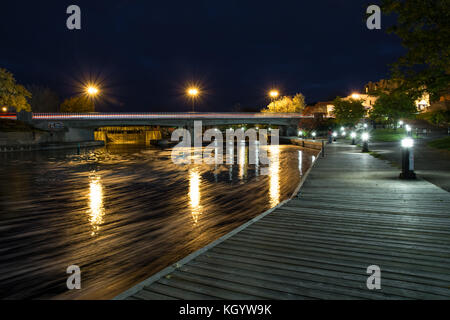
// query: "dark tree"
[[424, 28], [43, 99]]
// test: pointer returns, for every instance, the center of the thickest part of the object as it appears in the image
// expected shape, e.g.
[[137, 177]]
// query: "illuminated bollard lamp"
[[365, 140], [334, 136], [353, 136], [408, 130], [407, 159], [313, 135]]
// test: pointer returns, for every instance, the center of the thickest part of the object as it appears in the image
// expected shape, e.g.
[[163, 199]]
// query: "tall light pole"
[[92, 91], [193, 93], [273, 94]]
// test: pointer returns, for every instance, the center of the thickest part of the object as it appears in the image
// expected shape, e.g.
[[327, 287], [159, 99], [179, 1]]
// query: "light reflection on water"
[[96, 210], [122, 213]]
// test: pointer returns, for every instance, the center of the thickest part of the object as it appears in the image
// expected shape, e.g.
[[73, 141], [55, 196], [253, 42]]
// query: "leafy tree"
[[287, 104], [348, 111], [43, 99], [12, 94], [77, 104], [390, 107], [424, 27]]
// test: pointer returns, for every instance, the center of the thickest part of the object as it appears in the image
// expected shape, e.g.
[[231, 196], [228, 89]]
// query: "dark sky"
[[145, 52]]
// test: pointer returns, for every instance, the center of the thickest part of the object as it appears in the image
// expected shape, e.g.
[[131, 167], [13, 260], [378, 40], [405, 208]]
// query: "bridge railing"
[[173, 115]]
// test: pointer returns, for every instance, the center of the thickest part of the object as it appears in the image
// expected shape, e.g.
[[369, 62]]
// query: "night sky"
[[145, 53]]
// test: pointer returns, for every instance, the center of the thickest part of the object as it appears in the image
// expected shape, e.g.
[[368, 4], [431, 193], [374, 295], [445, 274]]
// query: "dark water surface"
[[122, 213]]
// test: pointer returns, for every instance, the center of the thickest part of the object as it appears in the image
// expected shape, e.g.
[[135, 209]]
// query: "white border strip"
[[195, 254]]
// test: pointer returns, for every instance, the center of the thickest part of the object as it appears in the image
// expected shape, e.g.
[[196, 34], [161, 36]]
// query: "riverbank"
[[352, 212]]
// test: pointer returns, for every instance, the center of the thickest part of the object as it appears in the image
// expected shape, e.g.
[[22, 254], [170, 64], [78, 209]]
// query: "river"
[[122, 213]]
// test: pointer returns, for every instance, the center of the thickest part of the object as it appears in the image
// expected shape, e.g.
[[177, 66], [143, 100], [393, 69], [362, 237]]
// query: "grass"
[[388, 135], [443, 143]]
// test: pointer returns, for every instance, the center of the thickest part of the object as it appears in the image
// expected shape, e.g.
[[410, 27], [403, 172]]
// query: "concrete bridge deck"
[[351, 212]]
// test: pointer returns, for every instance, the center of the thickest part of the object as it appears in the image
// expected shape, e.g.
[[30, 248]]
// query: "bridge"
[[81, 126]]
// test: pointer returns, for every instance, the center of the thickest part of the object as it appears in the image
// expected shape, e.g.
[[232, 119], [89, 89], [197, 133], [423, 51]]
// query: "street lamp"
[[92, 91], [407, 159], [343, 133], [400, 124], [4, 109], [300, 133], [353, 136], [193, 93], [274, 94], [365, 139], [313, 135]]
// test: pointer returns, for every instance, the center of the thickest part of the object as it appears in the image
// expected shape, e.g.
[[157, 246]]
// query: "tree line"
[[38, 98]]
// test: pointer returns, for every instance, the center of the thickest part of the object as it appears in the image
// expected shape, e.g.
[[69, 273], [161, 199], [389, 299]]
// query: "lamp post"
[[334, 136], [193, 93], [300, 133], [365, 139], [92, 91], [353, 136], [314, 135], [400, 124], [4, 109], [407, 159], [273, 94]]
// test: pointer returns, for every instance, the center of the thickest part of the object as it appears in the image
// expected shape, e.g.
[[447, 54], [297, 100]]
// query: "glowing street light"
[[92, 91], [274, 94], [314, 135], [300, 133], [343, 133], [407, 159], [193, 94], [400, 123], [356, 96], [4, 109], [365, 125]]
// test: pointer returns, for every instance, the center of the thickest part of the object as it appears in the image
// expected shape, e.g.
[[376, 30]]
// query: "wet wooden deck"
[[352, 212]]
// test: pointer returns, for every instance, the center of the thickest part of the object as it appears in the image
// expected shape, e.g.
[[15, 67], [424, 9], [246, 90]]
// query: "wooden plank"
[[349, 214]]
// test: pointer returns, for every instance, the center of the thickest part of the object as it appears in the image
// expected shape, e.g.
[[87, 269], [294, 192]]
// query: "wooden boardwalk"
[[352, 212]]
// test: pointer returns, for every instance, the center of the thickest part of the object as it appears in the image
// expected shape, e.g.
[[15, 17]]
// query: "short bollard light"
[[353, 136], [407, 159], [365, 139], [300, 133], [400, 124], [334, 136], [343, 133], [408, 129], [365, 125], [313, 135]]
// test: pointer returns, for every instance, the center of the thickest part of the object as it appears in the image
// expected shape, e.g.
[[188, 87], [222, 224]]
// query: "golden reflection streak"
[[194, 194], [242, 157], [274, 175], [96, 207]]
